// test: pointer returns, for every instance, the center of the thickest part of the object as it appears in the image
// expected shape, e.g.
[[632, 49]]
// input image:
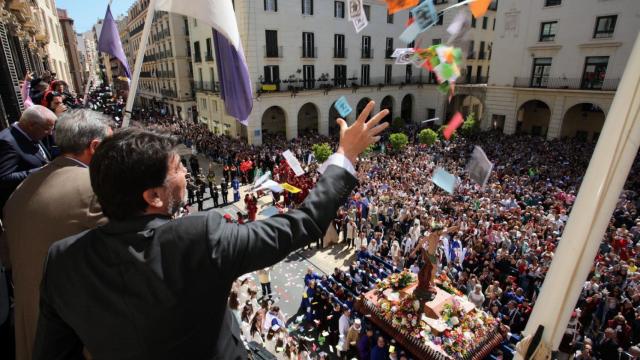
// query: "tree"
[[321, 152], [427, 136], [368, 150], [398, 141], [397, 124], [470, 126]]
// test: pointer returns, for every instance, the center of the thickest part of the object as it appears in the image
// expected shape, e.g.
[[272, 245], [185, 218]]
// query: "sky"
[[85, 13]]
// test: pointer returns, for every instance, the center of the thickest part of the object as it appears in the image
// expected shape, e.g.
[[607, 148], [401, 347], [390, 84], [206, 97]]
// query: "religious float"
[[429, 317]]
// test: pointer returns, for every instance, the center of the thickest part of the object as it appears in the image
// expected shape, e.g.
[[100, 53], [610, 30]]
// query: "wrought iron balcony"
[[207, 86], [340, 53], [366, 54], [208, 57], [327, 83], [169, 93], [273, 51], [307, 52], [564, 83]]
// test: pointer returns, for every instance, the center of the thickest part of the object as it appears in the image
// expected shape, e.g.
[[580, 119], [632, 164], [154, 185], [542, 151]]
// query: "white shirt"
[[338, 160], [343, 325]]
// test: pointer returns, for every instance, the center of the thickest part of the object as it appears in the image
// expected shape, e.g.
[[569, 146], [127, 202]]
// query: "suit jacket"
[[153, 288], [19, 156], [51, 204]]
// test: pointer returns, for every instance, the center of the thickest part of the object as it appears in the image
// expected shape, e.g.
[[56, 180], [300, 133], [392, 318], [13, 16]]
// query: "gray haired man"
[[51, 204]]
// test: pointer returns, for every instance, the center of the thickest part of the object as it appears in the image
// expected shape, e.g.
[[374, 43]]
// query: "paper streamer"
[[479, 7], [293, 162], [454, 124], [398, 5]]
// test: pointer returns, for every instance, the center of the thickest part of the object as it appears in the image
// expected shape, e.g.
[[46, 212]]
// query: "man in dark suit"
[[21, 149], [145, 286]]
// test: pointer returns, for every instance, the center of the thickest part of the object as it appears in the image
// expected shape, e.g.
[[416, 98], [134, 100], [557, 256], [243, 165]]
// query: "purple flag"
[[110, 43], [235, 83]]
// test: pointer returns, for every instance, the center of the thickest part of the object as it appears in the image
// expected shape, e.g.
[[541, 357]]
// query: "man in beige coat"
[[51, 204]]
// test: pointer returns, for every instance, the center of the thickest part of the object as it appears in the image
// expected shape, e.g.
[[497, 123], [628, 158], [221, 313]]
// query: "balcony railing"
[[197, 58], [563, 83], [307, 52], [136, 30], [149, 58], [169, 93], [340, 53], [471, 55], [366, 54], [327, 84], [208, 57], [472, 80], [207, 86], [482, 55], [273, 51]]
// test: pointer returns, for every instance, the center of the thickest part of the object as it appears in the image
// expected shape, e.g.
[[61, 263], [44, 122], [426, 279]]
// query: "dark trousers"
[[266, 289]]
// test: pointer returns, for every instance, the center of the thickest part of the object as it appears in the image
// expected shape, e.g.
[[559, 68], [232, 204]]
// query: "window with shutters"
[[338, 9], [271, 5], [364, 74], [307, 7], [340, 75]]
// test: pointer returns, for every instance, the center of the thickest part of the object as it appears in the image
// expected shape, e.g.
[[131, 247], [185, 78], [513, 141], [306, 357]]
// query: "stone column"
[[557, 114]]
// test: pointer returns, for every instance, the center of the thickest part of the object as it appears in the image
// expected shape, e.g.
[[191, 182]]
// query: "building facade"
[[304, 55], [23, 41], [556, 65], [166, 80], [90, 54], [56, 52], [69, 38]]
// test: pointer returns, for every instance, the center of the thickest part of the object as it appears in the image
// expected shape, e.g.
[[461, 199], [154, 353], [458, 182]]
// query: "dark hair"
[[127, 164]]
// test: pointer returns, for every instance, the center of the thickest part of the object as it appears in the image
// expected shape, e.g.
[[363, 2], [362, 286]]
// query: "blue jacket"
[[19, 156]]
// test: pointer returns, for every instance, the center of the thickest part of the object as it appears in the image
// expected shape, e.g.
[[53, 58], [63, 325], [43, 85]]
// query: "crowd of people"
[[507, 230]]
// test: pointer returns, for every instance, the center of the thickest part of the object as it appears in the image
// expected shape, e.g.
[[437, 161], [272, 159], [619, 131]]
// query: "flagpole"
[[133, 87], [599, 193]]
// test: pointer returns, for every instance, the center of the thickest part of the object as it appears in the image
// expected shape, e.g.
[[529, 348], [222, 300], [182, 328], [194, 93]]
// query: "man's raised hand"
[[356, 138]]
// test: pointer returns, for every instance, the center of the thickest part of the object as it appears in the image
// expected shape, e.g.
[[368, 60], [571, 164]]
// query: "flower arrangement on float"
[[464, 330]]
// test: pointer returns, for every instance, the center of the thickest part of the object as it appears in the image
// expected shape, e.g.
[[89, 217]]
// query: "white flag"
[[216, 13], [293, 162]]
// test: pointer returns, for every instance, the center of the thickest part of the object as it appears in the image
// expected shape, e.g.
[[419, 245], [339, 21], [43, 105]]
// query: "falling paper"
[[479, 166], [399, 51], [424, 16], [405, 58], [262, 179], [293, 162], [357, 15], [271, 185], [290, 188], [343, 107], [397, 5], [460, 25], [454, 123], [479, 7], [444, 180]]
